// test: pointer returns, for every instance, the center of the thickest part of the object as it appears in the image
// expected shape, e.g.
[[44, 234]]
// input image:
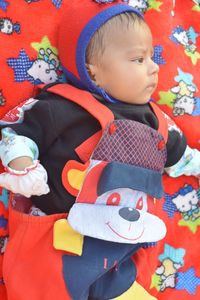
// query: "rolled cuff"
[[14, 146]]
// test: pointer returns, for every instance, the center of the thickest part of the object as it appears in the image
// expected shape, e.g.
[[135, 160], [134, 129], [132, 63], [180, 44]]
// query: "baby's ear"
[[91, 71]]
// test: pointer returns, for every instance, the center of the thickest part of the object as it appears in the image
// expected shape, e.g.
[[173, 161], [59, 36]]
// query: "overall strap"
[[85, 99], [162, 122], [99, 111]]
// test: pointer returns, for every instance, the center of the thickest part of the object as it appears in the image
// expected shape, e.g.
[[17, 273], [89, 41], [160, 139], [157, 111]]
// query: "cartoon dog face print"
[[122, 221], [122, 215]]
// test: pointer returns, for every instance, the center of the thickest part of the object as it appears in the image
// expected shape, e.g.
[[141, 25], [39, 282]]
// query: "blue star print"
[[20, 66], [169, 207], [3, 222], [188, 281], [157, 57], [57, 3], [3, 5]]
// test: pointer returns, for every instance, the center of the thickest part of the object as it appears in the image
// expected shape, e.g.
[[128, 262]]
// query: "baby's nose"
[[155, 67], [129, 214]]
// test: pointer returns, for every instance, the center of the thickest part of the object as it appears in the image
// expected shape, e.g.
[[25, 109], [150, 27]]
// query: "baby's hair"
[[97, 44]]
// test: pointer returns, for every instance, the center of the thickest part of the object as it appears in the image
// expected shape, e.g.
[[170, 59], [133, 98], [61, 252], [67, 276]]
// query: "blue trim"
[[120, 175], [84, 39], [73, 79]]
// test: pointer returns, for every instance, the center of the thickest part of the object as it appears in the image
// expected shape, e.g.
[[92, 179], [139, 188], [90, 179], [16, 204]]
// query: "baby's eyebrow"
[[137, 49], [140, 50]]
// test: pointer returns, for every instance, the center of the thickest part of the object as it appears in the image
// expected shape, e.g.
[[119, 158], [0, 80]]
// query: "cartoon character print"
[[181, 97], [186, 38], [42, 72], [3, 243], [141, 5], [2, 99], [114, 193], [121, 214], [7, 26], [196, 7], [187, 203], [166, 274], [49, 56], [185, 101], [56, 3], [45, 68]]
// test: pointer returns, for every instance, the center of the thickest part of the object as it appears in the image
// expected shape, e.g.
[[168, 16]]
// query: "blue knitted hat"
[[81, 20]]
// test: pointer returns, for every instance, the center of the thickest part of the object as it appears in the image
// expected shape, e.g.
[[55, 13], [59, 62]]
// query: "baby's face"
[[126, 70]]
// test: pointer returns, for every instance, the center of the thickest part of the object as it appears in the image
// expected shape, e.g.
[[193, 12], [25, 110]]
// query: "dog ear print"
[[88, 191], [73, 175]]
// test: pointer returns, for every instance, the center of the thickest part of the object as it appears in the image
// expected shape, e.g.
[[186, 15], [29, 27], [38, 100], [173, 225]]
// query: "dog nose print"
[[129, 214]]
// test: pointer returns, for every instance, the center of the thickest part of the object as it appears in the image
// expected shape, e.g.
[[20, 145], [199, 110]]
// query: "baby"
[[106, 51]]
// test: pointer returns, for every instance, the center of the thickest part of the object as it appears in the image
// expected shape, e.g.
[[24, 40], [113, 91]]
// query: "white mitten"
[[31, 181]]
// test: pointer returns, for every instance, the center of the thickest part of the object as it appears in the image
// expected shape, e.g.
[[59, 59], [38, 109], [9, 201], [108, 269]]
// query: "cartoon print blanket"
[[29, 56]]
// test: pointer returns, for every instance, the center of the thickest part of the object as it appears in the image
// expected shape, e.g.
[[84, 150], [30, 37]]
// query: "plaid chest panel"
[[132, 143]]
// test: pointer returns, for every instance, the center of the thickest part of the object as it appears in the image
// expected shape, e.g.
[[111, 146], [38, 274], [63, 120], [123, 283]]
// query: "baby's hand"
[[20, 163], [31, 181]]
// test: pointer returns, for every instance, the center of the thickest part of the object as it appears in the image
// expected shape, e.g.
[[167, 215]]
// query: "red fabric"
[[45, 279], [90, 10]]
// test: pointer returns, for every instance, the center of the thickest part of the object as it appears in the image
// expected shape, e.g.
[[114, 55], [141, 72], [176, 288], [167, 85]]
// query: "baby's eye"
[[139, 60]]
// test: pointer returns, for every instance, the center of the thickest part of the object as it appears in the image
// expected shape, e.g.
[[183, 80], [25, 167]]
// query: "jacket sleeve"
[[176, 146], [13, 146], [176, 143], [41, 122]]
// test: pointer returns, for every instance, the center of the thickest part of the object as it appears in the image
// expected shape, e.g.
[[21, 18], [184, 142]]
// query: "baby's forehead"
[[136, 37]]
